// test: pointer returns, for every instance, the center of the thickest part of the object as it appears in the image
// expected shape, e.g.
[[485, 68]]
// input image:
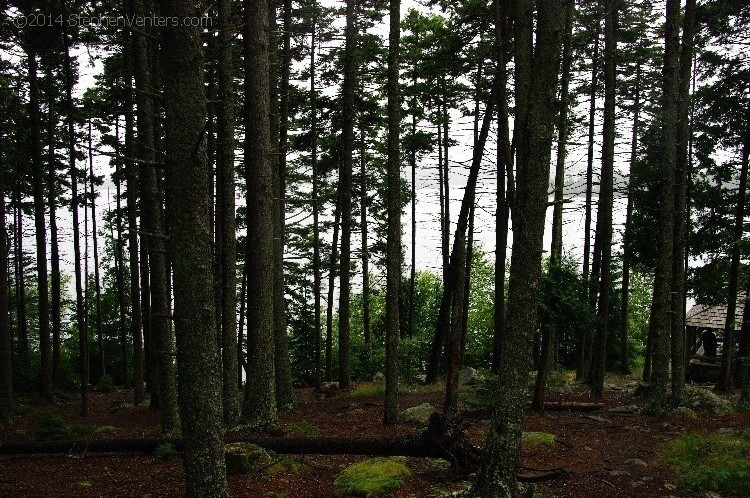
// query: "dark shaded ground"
[[605, 453]]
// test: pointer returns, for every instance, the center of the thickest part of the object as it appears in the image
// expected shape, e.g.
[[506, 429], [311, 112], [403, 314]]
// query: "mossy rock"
[[372, 477], [536, 439], [704, 400], [105, 429], [419, 414], [245, 458]]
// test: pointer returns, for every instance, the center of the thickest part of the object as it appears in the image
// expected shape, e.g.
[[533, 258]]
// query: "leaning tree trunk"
[[45, 372], [536, 83], [120, 260], [393, 252], [662, 296], [190, 245], [225, 174], [260, 402], [331, 283], [680, 206], [604, 213]]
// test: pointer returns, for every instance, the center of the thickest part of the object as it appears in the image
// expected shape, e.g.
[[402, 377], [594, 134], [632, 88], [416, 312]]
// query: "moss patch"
[[536, 439], [703, 400], [372, 477], [419, 414], [718, 463], [368, 389], [304, 428]]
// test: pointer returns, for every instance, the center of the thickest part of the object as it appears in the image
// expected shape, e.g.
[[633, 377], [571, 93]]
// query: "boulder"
[[330, 389], [467, 376], [419, 414], [245, 458], [378, 377]]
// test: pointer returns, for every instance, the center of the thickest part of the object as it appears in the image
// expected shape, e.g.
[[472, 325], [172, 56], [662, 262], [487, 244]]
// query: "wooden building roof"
[[714, 317]]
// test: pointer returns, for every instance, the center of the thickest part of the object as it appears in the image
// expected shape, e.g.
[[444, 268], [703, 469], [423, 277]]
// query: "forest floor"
[[611, 452]]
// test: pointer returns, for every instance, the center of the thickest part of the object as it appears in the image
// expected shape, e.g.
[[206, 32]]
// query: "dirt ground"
[[605, 453]]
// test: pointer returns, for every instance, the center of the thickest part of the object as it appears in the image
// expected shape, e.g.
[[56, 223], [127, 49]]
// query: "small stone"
[[636, 461], [624, 409], [670, 486]]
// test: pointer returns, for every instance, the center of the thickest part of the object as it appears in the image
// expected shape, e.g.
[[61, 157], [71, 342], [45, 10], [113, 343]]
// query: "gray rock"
[[419, 414], [636, 461], [467, 376], [378, 377]]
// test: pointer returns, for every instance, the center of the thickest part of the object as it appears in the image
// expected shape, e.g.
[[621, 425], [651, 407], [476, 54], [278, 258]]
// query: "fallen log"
[[573, 406]]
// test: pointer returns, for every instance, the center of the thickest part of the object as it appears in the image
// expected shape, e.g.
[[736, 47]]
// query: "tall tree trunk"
[[604, 212], [393, 251], [83, 342], [453, 344], [626, 252], [536, 83], [138, 264], [347, 144], [562, 138], [260, 402], [413, 269], [583, 340], [97, 286], [152, 226], [441, 186], [725, 377], [743, 368], [240, 330], [24, 367], [331, 283], [45, 347], [365, 248], [680, 206], [190, 244], [6, 347], [662, 296], [284, 387], [55, 282], [121, 298], [315, 200], [228, 250]]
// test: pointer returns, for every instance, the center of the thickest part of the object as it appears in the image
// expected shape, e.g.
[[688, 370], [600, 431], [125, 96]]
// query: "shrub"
[[373, 476], [712, 463], [106, 384], [164, 451], [52, 427]]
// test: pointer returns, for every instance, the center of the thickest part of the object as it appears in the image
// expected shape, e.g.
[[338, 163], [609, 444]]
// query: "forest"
[[313, 248]]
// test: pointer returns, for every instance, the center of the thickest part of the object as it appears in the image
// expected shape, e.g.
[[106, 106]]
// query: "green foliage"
[[106, 384], [703, 400], [368, 389], [164, 451], [483, 398], [718, 463], [52, 427], [304, 428], [372, 476]]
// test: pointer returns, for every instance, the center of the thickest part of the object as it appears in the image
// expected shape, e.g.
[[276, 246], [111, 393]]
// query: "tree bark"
[[153, 226], [6, 346], [604, 212], [365, 249], [97, 286], [315, 201], [347, 144], [626, 252], [240, 339], [331, 283], [137, 322], [190, 244], [260, 402], [23, 331], [680, 205], [45, 347], [725, 377], [583, 340], [55, 283], [662, 297], [279, 129], [536, 83], [225, 173], [393, 252]]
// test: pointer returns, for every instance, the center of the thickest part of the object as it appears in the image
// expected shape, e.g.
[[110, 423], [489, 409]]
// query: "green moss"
[[536, 439], [286, 464], [419, 414], [366, 390], [703, 400], [105, 429], [372, 477], [718, 463]]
